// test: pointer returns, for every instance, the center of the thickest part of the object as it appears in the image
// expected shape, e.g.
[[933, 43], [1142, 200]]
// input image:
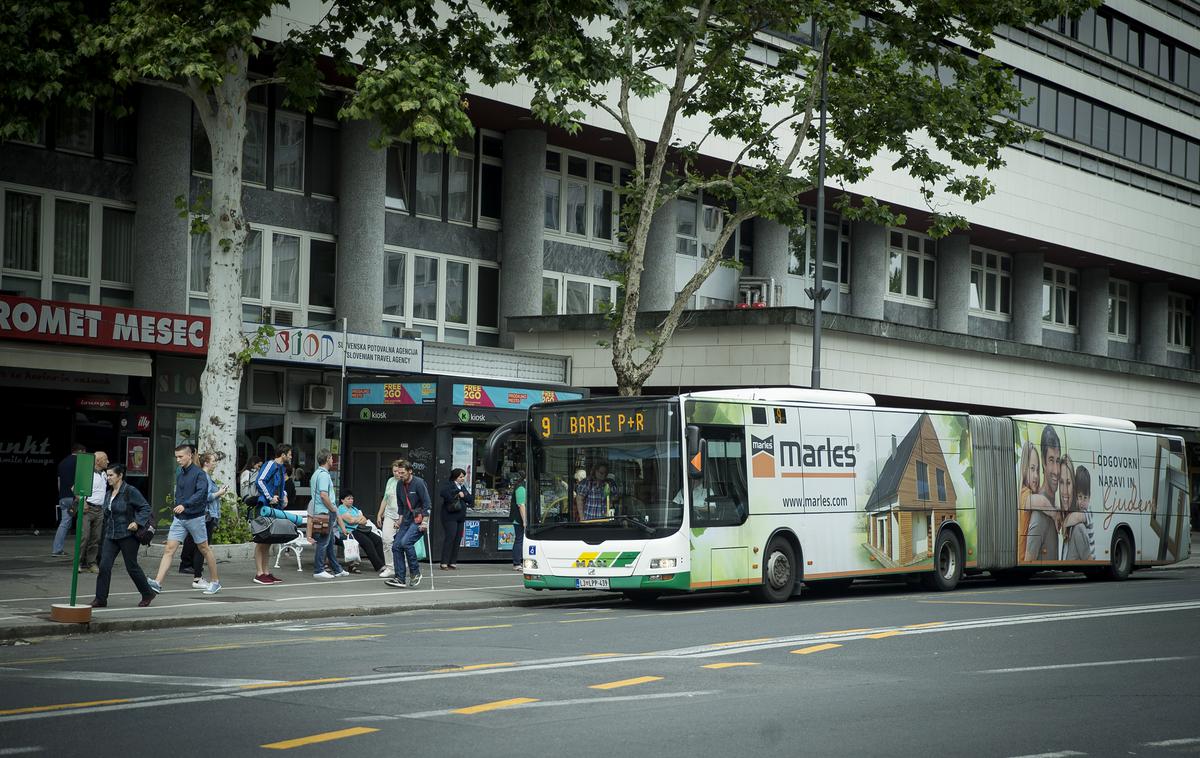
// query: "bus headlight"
[[664, 563], [530, 563]]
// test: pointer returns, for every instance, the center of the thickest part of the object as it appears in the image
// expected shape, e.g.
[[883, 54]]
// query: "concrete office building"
[[1076, 289]]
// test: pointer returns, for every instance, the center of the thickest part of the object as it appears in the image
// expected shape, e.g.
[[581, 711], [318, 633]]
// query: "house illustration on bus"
[[912, 497]]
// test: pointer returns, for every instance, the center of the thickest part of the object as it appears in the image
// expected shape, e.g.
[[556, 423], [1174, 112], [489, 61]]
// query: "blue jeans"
[[403, 544], [64, 526], [326, 549], [518, 543]]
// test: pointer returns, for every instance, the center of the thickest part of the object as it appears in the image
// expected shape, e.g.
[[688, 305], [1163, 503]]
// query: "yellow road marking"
[[472, 667], [346, 637], [295, 683], [625, 682], [348, 628], [816, 648], [843, 631], [496, 705], [882, 635], [601, 655], [466, 628], [924, 626], [61, 706], [580, 621], [39, 660], [323, 737], [993, 602], [206, 648], [728, 665], [740, 642]]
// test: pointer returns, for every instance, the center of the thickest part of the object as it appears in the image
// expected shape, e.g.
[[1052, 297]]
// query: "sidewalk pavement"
[[31, 581]]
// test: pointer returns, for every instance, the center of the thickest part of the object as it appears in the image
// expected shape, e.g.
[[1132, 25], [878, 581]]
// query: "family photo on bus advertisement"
[[1077, 485]]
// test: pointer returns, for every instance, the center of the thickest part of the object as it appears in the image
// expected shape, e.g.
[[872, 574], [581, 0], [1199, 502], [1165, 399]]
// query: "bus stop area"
[[31, 581]]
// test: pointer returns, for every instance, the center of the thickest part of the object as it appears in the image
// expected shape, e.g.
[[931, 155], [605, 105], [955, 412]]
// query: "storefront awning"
[[63, 358]]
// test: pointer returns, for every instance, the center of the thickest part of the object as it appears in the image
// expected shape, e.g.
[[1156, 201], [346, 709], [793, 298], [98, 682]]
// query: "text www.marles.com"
[[819, 501]]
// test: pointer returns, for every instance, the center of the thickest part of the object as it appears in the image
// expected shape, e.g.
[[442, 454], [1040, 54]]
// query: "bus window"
[[719, 496]]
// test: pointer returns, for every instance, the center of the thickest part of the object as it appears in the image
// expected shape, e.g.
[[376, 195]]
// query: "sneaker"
[[58, 555], [199, 583], [343, 572], [397, 583], [323, 575], [274, 579], [213, 588], [262, 579], [387, 573], [155, 587], [517, 567], [93, 569], [414, 580]]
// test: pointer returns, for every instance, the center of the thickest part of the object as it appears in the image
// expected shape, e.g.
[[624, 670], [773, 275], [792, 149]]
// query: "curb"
[[48, 629]]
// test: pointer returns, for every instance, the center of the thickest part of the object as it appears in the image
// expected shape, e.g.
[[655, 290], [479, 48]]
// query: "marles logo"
[[829, 455], [762, 457]]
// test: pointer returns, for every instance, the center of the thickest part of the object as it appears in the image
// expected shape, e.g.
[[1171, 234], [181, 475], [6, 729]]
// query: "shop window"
[[1060, 297], [991, 283], [912, 267]]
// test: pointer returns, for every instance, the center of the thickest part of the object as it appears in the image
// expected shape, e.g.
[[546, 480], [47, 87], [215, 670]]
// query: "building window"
[[687, 239], [991, 283], [1118, 309], [66, 247], [1060, 297], [444, 298], [74, 131], [398, 177], [566, 294], [438, 184], [580, 196], [288, 277], [835, 264], [912, 267], [922, 481], [491, 178], [1179, 322]]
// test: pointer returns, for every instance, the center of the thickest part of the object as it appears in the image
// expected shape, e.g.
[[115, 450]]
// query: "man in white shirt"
[[93, 518]]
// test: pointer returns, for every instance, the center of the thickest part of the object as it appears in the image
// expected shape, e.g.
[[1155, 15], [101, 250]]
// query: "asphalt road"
[[1056, 667]]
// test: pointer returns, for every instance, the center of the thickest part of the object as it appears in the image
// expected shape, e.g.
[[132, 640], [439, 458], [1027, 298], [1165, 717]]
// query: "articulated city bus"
[[769, 489]]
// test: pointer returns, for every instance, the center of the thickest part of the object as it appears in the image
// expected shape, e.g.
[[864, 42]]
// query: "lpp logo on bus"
[[299, 343]]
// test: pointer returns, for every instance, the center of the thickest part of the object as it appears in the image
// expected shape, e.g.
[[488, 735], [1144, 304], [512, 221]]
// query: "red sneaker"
[[262, 579], [274, 579]]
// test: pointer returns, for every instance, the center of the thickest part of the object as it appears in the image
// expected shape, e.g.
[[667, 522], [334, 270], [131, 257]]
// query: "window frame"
[[1116, 299], [593, 283], [1181, 327], [592, 185], [926, 252], [407, 321], [1071, 293], [45, 277], [840, 227], [1003, 310]]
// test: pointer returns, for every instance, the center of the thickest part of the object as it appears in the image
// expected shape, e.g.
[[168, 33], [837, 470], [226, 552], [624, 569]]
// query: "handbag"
[[320, 523], [144, 534], [351, 550], [272, 531]]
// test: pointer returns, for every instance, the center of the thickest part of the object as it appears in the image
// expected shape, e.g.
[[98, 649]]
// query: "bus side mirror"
[[695, 452], [495, 444]]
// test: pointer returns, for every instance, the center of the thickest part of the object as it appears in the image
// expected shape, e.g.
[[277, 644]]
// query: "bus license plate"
[[591, 583]]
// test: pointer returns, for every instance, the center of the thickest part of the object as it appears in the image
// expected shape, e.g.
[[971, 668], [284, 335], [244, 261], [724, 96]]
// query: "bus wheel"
[[641, 597], [947, 563], [1120, 565], [779, 573]]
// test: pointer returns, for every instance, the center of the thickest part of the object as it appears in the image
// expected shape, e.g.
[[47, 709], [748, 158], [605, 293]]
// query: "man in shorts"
[[191, 500]]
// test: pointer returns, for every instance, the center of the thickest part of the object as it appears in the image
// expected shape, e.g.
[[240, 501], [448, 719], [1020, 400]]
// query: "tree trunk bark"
[[221, 379]]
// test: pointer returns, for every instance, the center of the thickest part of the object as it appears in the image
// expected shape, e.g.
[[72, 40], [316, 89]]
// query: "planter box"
[[240, 552]]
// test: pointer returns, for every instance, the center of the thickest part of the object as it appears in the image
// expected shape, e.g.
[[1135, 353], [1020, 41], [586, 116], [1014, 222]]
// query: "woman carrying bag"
[[124, 510], [456, 499]]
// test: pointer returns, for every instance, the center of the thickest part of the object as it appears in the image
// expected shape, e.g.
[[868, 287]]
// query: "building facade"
[[1076, 289]]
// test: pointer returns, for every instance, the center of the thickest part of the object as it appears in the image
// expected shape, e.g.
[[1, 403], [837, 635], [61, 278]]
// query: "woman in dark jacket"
[[124, 510], [456, 499]]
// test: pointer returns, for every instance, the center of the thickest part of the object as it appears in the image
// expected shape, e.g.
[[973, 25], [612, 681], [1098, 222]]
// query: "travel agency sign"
[[325, 348]]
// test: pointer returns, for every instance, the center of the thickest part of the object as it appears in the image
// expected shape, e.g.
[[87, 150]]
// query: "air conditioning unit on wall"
[[318, 398]]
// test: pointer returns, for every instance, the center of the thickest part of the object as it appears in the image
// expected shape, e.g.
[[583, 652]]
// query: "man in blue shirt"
[[272, 499], [412, 500], [66, 499], [323, 505], [191, 503]]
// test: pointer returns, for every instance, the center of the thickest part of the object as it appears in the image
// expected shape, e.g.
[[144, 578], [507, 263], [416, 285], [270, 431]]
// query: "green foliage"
[[232, 528], [257, 345]]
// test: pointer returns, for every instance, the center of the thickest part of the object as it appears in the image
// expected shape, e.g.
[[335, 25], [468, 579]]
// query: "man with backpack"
[[272, 498], [412, 500]]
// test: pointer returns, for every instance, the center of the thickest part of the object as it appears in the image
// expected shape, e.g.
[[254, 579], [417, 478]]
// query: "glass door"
[[303, 438]]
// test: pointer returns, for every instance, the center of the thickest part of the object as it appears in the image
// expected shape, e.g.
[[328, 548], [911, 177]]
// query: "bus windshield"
[[612, 469]]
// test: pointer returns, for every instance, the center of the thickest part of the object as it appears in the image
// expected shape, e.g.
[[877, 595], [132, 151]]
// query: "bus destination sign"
[[595, 422]]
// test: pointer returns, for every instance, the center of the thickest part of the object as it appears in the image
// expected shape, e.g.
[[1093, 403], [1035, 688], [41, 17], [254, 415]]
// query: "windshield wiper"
[[624, 519]]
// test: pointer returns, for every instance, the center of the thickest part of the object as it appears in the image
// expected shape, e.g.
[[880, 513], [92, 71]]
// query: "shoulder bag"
[[272, 531]]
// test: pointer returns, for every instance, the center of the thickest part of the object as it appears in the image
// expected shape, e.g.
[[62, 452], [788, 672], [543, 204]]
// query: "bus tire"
[[779, 572], [1120, 562], [947, 563]]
